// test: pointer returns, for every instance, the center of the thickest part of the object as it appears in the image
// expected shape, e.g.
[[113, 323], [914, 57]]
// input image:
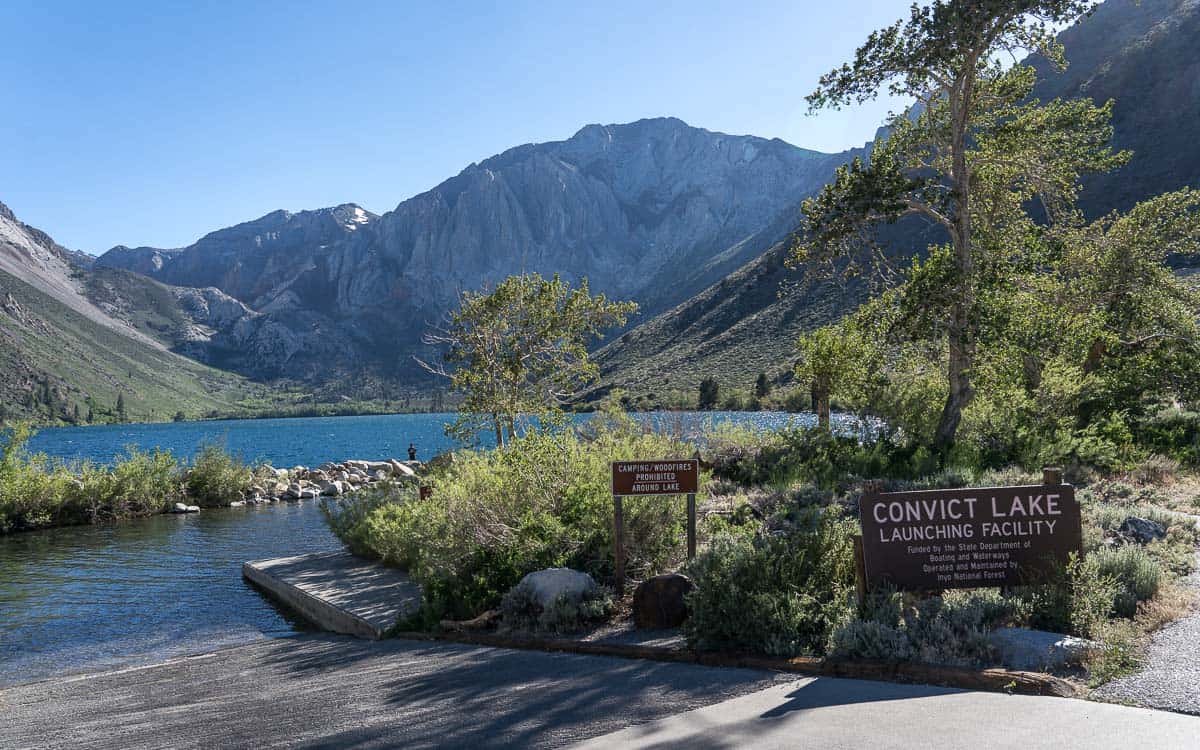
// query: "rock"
[[293, 491], [333, 489], [237, 504], [1141, 530], [342, 475], [402, 470], [357, 479], [179, 508], [307, 493], [280, 473], [193, 509], [549, 584], [1037, 650], [658, 602]]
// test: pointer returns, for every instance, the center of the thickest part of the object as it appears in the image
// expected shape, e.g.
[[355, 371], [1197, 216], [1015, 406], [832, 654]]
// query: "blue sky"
[[152, 124]]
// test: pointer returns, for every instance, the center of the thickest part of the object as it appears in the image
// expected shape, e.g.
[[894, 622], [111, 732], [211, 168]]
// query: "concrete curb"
[[993, 680], [314, 609]]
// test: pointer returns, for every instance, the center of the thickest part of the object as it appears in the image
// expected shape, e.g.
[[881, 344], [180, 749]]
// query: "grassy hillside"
[[743, 325], [56, 361]]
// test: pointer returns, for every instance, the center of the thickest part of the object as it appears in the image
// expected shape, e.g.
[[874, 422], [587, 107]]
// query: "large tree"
[[975, 156], [521, 350]]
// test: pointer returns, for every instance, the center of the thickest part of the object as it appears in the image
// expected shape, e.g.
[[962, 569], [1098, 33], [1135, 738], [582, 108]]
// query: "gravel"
[[1170, 677]]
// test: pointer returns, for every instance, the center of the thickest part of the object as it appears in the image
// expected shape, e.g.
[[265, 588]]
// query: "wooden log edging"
[[992, 680]]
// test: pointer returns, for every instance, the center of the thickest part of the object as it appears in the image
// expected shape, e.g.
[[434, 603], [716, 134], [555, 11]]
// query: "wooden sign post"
[[665, 477]]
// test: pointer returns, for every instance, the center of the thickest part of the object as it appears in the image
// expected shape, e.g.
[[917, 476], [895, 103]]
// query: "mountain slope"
[[1143, 55], [653, 211], [60, 352]]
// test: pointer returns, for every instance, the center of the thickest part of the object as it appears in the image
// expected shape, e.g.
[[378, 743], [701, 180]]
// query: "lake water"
[[99, 597], [312, 441]]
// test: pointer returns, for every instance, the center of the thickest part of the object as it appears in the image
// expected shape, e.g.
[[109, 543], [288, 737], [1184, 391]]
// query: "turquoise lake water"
[[90, 598]]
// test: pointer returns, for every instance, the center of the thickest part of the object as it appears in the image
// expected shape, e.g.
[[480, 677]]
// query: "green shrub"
[[1077, 601], [36, 492], [1173, 433], [217, 478], [781, 595], [1135, 572], [494, 516]]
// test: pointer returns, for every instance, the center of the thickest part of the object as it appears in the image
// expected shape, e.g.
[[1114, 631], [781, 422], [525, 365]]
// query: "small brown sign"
[[666, 477], [967, 538]]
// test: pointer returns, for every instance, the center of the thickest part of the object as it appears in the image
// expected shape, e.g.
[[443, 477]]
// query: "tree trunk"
[[499, 430], [820, 395], [962, 358], [961, 338]]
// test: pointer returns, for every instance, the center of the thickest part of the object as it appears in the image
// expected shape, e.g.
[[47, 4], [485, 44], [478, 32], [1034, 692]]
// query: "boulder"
[[658, 602], [342, 475], [307, 493], [1141, 530], [549, 584], [179, 508], [293, 491], [333, 489], [237, 504], [1037, 650], [193, 509], [402, 470], [279, 473]]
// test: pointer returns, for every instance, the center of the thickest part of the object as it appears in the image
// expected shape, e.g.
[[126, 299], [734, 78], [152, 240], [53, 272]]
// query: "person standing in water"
[[412, 452]]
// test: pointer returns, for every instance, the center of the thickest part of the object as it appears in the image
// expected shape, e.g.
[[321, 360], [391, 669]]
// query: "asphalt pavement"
[[328, 691]]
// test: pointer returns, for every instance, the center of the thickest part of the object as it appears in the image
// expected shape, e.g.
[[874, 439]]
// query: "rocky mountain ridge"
[[652, 211]]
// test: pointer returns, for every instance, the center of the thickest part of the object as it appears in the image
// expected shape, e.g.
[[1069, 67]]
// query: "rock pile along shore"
[[329, 480]]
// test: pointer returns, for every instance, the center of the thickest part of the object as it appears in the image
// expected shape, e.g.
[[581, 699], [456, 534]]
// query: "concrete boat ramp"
[[337, 591]]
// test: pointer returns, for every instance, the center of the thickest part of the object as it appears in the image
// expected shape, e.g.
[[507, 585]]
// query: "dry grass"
[[1125, 641]]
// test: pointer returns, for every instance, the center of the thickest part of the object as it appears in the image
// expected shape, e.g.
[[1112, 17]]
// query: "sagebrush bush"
[[1135, 572], [520, 610], [868, 639], [949, 629], [781, 595]]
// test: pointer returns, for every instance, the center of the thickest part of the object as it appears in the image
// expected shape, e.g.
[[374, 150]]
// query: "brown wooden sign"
[[672, 476], [666, 477], [967, 538]]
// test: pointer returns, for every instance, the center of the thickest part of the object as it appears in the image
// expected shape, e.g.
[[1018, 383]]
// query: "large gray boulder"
[[1038, 650], [546, 586]]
